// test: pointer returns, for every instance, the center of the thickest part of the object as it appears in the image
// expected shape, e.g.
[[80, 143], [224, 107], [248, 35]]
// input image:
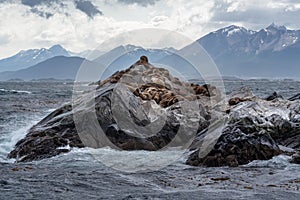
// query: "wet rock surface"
[[295, 158], [155, 97], [146, 108], [253, 130]]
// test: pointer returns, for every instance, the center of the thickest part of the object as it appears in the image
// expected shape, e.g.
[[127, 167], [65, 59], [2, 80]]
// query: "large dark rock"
[[50, 137], [123, 112], [253, 130], [146, 108], [240, 143]]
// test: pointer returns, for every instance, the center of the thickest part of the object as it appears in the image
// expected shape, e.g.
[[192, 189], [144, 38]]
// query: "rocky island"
[[145, 108]]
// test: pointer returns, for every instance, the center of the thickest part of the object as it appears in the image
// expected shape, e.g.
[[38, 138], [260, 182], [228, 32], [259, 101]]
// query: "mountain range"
[[124, 56], [66, 67], [270, 52], [59, 67], [28, 58]]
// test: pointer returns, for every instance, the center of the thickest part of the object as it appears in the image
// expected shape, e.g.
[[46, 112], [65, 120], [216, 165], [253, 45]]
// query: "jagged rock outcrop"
[[294, 98], [146, 108], [253, 130], [140, 108]]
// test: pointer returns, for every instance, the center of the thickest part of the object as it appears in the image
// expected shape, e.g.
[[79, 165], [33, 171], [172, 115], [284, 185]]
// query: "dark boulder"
[[295, 158], [240, 143], [275, 95], [294, 98], [252, 130], [111, 114], [146, 108]]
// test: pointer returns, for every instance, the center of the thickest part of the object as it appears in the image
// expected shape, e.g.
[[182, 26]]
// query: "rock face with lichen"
[[146, 108]]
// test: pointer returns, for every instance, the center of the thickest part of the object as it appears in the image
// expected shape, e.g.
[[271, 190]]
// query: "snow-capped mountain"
[[125, 55], [130, 53], [27, 58], [65, 67], [238, 40], [270, 52]]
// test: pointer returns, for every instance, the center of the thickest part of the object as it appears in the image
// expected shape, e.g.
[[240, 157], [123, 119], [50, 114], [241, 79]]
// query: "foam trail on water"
[[14, 91], [280, 161]]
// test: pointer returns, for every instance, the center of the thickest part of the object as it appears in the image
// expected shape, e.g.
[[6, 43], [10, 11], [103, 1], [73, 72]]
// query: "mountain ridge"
[[59, 67], [272, 51], [30, 57], [237, 51]]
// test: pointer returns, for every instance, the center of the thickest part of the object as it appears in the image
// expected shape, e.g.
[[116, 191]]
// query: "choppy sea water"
[[79, 174]]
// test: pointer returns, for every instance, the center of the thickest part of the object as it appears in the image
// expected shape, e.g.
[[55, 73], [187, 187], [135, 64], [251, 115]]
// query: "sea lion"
[[159, 85], [167, 98], [143, 61], [129, 72], [145, 96], [200, 90], [114, 80], [137, 92], [157, 98], [151, 91], [168, 101], [211, 90], [236, 100]]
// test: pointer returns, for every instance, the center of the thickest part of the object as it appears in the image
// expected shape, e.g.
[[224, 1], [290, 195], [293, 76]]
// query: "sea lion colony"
[[151, 83]]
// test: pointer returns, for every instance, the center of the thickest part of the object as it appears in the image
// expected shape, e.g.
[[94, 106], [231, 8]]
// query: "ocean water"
[[80, 174]]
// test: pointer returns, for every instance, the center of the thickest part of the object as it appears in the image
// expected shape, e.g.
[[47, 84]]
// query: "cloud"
[[42, 7], [4, 39], [33, 3], [78, 24], [41, 13], [257, 13], [187, 17], [45, 9], [143, 3], [88, 8], [158, 20]]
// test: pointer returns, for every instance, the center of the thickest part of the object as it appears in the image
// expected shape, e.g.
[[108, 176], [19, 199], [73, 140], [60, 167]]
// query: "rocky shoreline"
[[146, 108]]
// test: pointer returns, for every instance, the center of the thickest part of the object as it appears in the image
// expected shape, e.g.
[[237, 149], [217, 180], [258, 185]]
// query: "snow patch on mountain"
[[28, 58]]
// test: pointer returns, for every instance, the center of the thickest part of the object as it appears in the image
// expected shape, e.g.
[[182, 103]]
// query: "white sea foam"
[[51, 110], [280, 161], [15, 91], [127, 161], [9, 140]]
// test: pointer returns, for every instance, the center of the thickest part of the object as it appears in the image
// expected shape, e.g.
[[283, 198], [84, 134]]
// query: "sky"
[[80, 25]]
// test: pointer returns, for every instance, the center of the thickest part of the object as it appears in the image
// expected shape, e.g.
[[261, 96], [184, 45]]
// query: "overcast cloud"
[[84, 24], [144, 3]]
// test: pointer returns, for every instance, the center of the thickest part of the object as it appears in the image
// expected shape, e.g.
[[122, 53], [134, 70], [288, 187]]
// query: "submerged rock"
[[295, 158]]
